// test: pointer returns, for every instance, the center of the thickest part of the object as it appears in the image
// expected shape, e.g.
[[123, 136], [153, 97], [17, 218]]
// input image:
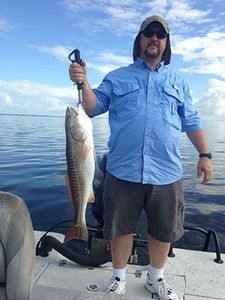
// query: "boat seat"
[[17, 249]]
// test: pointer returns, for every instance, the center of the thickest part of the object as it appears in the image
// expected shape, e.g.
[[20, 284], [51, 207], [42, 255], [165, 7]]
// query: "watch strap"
[[205, 154]]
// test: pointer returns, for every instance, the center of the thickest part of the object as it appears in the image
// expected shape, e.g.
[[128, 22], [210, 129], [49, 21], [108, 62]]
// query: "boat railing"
[[208, 234], [97, 250]]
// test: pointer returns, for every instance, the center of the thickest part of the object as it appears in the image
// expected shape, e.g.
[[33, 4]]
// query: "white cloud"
[[124, 17], [109, 55], [58, 51], [120, 17], [207, 47], [6, 100], [204, 48], [113, 60], [184, 12], [215, 67], [206, 53], [30, 97], [5, 26], [177, 12], [203, 51], [212, 102], [107, 61], [103, 69]]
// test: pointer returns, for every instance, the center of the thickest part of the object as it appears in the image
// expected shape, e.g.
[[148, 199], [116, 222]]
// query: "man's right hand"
[[78, 72]]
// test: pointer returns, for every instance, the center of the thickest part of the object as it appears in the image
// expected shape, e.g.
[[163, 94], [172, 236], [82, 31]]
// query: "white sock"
[[155, 273], [121, 273]]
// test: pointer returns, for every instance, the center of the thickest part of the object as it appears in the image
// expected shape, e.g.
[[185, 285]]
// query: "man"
[[149, 105]]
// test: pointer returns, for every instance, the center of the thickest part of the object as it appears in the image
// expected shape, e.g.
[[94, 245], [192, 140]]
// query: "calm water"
[[33, 164]]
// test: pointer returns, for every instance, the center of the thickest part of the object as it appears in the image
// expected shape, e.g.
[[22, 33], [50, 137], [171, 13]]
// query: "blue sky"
[[37, 36]]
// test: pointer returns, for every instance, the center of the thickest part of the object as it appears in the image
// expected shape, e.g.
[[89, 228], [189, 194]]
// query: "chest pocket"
[[125, 100], [172, 103]]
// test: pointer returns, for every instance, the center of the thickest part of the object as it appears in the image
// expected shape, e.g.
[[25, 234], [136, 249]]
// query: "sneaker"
[[161, 288], [117, 286]]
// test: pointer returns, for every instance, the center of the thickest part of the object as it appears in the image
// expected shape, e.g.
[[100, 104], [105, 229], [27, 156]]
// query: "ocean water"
[[33, 166]]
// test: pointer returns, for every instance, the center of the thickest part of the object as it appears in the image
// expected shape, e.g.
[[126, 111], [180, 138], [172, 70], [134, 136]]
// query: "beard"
[[152, 53]]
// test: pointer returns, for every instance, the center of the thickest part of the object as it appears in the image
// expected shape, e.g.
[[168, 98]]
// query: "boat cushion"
[[17, 239], [2, 264], [2, 292]]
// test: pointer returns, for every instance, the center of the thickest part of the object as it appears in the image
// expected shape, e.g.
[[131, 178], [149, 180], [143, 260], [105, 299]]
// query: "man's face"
[[153, 42]]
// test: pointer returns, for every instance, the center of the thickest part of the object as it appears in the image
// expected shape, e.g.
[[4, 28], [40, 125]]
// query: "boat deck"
[[193, 274]]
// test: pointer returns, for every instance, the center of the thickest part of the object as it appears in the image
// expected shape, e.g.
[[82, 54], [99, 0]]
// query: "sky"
[[37, 36]]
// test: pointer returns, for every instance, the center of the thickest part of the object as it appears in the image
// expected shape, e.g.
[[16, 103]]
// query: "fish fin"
[[77, 231], [68, 186], [85, 151], [91, 198], [94, 154]]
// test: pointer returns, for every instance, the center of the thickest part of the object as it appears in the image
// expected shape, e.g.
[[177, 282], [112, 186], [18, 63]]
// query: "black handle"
[[77, 56], [74, 56]]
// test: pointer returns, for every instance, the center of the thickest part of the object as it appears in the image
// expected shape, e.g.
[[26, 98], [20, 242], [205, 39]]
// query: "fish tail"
[[77, 231]]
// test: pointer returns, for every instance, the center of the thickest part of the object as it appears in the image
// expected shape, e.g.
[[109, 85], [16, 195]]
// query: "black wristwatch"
[[206, 154]]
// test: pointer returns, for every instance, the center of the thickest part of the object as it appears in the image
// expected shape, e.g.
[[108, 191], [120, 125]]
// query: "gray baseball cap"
[[136, 48], [152, 19]]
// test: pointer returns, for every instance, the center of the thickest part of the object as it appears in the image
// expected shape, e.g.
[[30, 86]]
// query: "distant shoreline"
[[32, 115]]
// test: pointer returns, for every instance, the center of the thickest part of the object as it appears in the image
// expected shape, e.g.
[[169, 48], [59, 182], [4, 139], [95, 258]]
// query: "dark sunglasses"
[[149, 33]]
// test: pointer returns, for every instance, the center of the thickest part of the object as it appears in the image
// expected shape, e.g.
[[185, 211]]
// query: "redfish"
[[80, 156]]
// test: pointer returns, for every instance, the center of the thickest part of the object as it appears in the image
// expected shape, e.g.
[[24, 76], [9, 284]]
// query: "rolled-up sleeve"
[[190, 118], [102, 93]]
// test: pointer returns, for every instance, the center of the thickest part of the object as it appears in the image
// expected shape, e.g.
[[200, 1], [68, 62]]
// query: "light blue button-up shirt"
[[148, 109]]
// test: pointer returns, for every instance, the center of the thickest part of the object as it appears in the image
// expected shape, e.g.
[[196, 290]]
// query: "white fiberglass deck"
[[193, 274]]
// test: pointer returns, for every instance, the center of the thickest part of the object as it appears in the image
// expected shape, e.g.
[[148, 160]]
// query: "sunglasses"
[[149, 33]]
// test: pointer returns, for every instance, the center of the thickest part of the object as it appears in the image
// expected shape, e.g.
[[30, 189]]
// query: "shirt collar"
[[140, 63]]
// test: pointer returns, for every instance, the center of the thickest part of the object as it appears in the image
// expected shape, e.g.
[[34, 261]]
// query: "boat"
[[195, 275], [37, 265]]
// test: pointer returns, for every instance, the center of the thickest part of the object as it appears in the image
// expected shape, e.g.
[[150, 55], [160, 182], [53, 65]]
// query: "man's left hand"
[[204, 167]]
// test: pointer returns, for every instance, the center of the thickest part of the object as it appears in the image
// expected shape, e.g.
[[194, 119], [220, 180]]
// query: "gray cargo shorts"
[[125, 200]]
